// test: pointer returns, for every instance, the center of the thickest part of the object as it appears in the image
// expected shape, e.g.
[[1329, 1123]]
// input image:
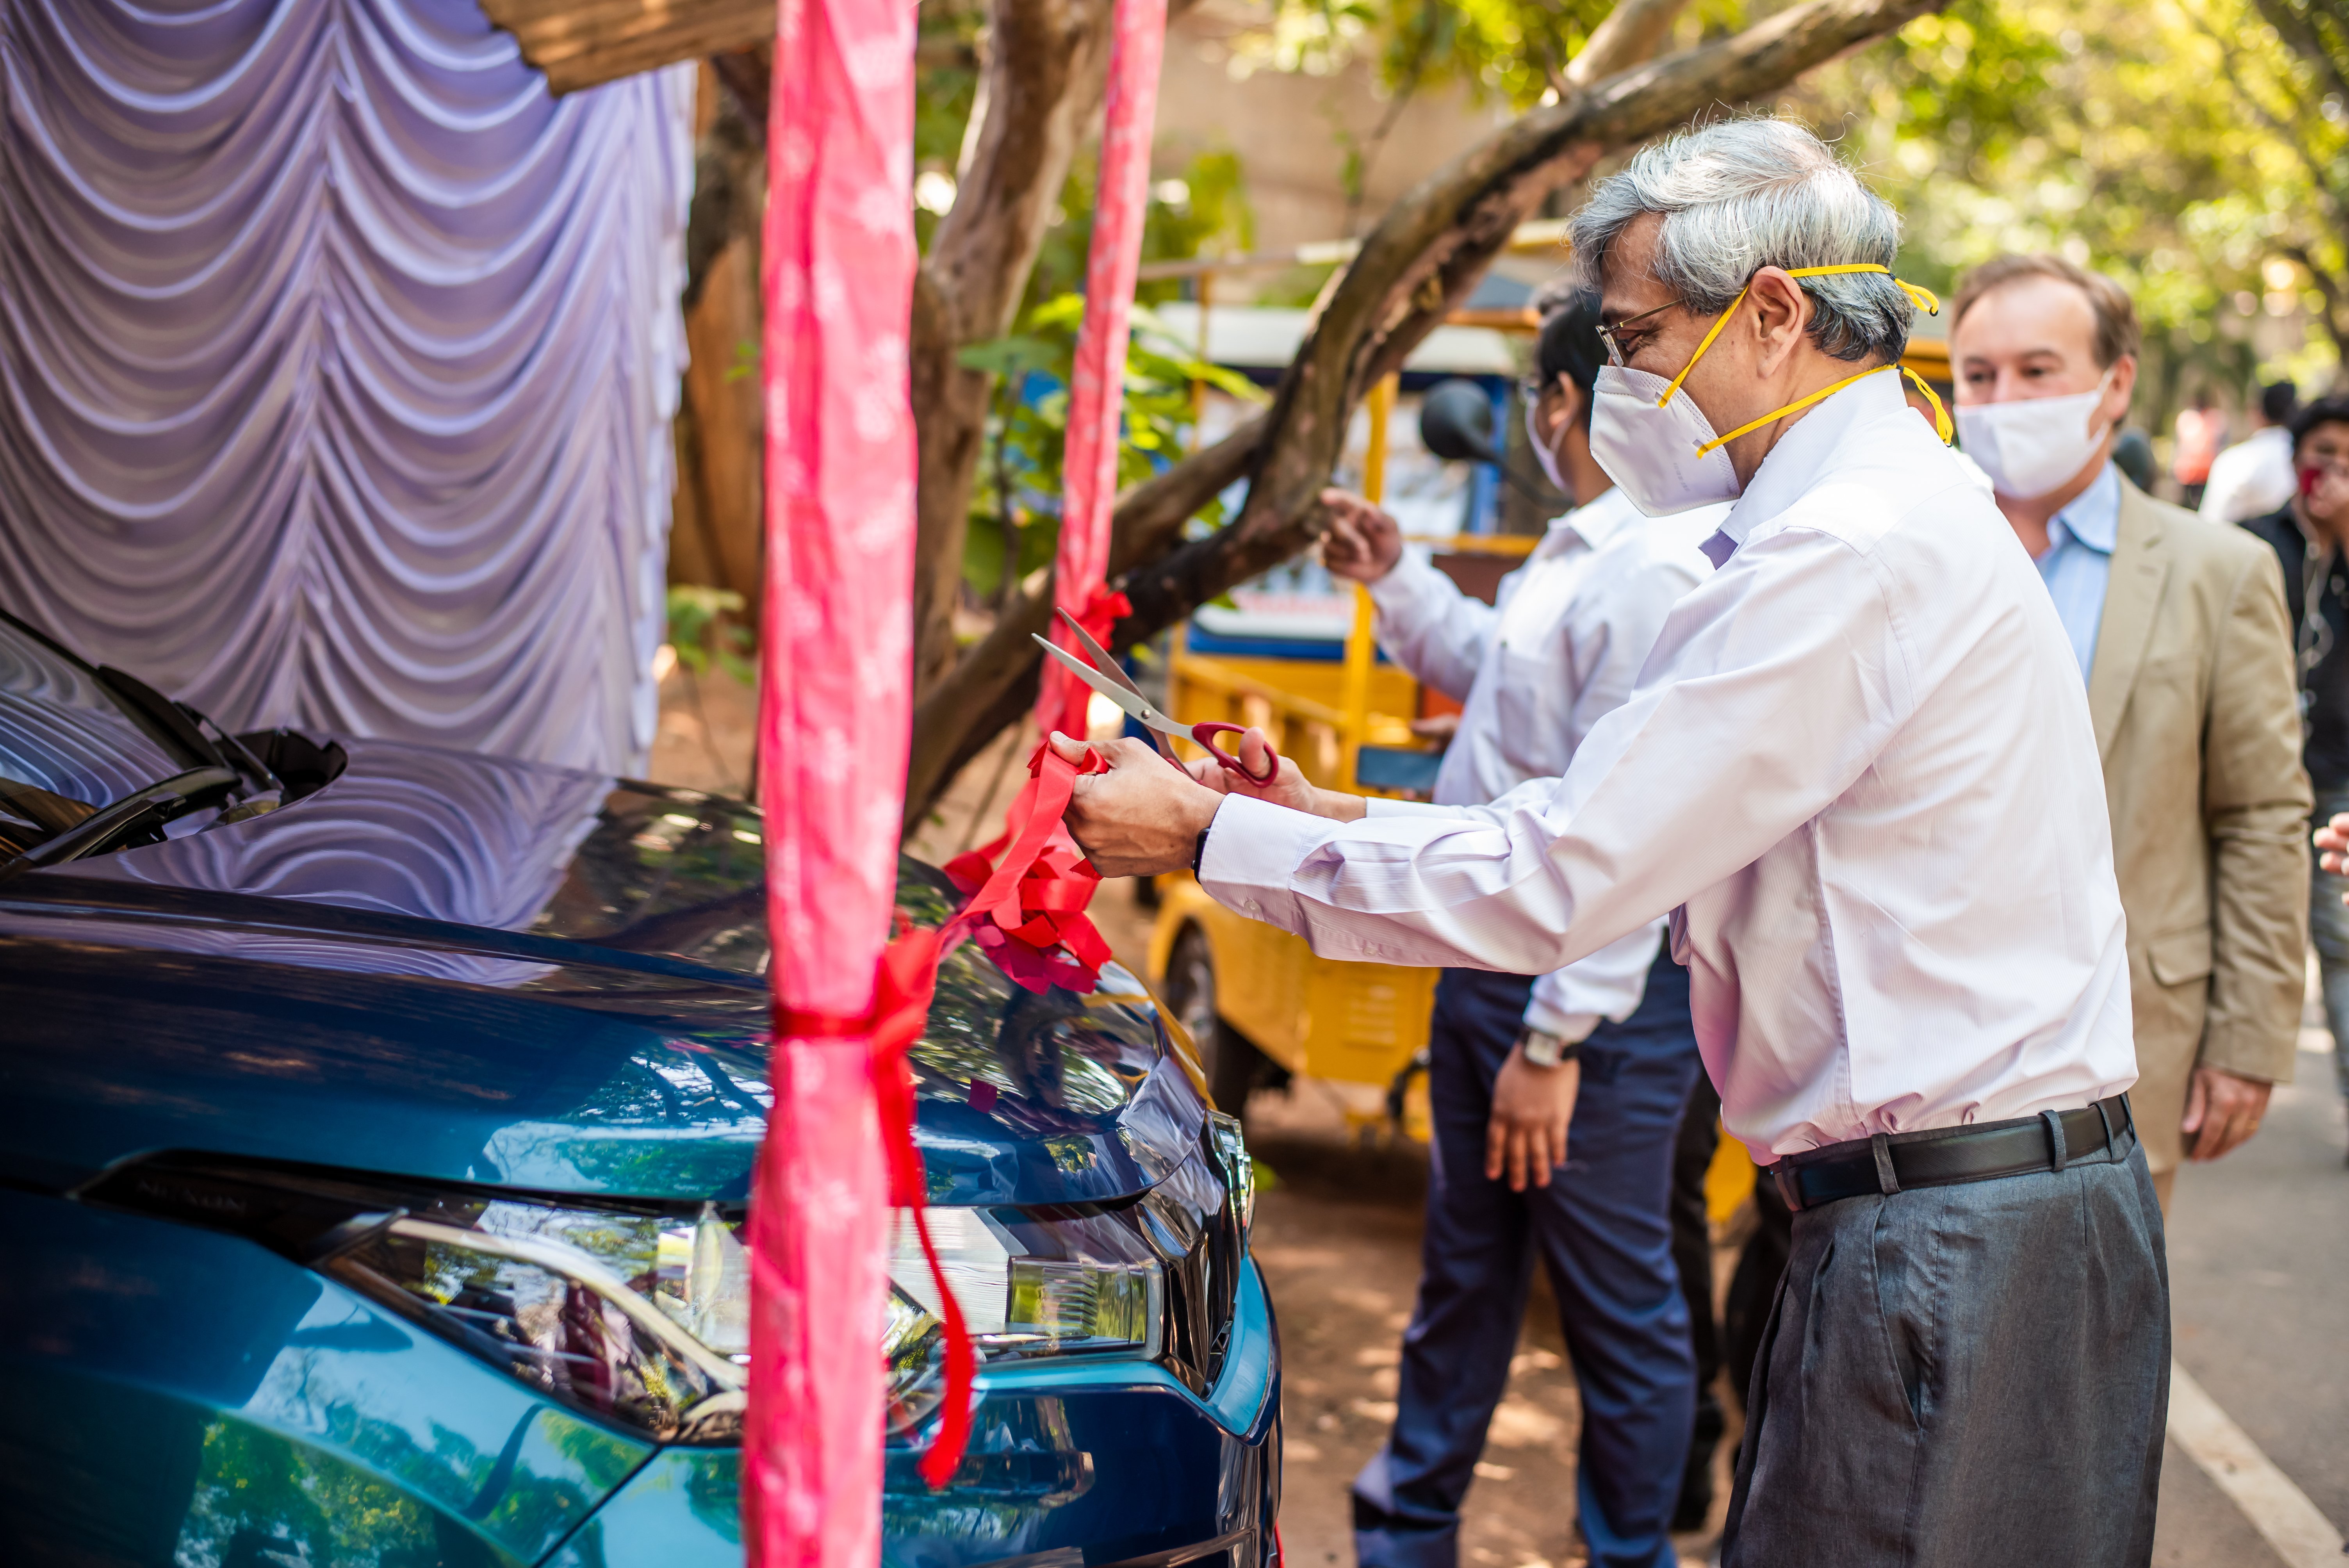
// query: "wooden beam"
[[586, 43]]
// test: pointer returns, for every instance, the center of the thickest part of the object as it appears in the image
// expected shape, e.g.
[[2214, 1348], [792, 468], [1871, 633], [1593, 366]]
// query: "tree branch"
[[995, 682], [1429, 252], [2287, 133], [1415, 267], [2330, 287], [1632, 31], [2301, 36]]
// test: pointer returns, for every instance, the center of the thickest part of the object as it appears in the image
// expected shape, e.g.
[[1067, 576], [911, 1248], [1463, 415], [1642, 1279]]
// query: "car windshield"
[[65, 747]]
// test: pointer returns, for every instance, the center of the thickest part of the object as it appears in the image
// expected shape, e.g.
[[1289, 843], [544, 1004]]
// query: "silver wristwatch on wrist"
[[1543, 1049]]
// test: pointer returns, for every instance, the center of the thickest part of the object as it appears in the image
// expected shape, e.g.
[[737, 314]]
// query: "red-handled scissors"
[[1106, 677]]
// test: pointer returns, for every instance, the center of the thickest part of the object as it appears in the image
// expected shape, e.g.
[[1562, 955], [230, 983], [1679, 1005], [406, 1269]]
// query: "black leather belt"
[[1945, 1155]]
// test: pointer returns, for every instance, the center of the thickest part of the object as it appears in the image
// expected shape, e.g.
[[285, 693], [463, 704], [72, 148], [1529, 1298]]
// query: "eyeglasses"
[[1620, 347]]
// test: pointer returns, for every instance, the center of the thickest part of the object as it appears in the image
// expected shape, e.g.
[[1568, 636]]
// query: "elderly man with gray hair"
[[1858, 773]]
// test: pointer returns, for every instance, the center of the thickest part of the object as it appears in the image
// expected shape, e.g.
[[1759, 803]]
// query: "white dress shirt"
[[2251, 478], [1859, 770], [1536, 671]]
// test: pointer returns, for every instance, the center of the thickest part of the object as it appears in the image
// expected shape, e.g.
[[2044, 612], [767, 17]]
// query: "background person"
[[2180, 634], [2254, 476], [2196, 438], [2309, 535], [1534, 674], [1859, 771]]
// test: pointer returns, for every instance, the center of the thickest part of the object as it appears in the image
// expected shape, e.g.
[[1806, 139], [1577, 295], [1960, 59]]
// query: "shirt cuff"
[[1571, 1027], [1254, 849], [1384, 806]]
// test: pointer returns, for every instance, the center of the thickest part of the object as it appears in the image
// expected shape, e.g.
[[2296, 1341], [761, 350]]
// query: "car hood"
[[471, 969]]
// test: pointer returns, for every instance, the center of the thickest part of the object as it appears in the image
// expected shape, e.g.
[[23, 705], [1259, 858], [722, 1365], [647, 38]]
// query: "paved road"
[[2259, 1270]]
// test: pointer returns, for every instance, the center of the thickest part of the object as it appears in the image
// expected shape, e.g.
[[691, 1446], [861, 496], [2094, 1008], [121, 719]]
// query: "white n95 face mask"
[[2031, 447], [1665, 459], [1543, 455]]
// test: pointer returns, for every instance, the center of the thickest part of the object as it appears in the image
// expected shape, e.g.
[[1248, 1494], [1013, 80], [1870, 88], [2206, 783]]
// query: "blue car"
[[376, 1135]]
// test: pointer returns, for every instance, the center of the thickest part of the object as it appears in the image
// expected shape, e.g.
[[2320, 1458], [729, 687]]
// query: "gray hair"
[[1749, 193]]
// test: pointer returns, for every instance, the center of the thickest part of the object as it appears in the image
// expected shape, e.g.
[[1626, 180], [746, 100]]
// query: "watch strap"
[[1543, 1049]]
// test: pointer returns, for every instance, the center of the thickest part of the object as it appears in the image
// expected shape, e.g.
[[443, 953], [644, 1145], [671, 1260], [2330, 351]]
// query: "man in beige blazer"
[[2181, 633]]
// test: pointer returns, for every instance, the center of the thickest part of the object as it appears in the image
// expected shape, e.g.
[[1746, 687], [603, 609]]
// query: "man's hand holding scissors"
[[1143, 818]]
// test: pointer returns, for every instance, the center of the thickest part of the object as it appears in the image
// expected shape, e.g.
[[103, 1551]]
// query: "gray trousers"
[[1965, 1377]]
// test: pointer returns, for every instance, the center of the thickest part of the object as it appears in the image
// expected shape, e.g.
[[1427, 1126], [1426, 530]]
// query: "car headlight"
[[1075, 1284], [639, 1312]]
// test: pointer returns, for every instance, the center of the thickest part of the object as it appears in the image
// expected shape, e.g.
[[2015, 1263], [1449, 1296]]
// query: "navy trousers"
[[1602, 1229]]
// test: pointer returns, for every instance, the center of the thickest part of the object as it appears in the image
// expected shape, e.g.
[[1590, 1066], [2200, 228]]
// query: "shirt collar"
[[1803, 456], [2093, 516], [1597, 523]]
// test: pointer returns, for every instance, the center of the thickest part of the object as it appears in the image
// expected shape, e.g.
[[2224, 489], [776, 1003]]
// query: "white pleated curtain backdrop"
[[339, 360]]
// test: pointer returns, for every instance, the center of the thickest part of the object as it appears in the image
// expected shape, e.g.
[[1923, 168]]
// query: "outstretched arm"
[[1785, 680], [1425, 623]]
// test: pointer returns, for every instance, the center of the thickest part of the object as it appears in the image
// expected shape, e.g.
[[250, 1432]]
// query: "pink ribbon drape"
[[834, 691], [835, 694], [1097, 387]]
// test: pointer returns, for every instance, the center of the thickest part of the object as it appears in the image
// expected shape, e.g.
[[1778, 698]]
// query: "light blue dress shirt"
[[2079, 561]]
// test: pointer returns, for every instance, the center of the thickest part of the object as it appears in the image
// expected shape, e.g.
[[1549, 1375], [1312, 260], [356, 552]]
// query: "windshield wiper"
[[172, 724], [179, 729], [149, 807]]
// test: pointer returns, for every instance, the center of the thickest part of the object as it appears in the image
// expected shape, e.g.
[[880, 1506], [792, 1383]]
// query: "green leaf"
[[700, 635]]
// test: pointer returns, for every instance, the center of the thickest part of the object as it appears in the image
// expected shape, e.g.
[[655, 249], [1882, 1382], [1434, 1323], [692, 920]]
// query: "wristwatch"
[[1543, 1049]]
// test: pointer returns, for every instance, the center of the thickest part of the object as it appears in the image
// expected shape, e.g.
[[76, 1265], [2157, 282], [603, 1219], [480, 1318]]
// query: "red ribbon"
[[1028, 910], [907, 977]]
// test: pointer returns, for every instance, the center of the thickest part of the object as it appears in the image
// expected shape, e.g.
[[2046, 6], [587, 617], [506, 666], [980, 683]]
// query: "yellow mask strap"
[[1940, 415], [1721, 321], [1789, 409], [1924, 298]]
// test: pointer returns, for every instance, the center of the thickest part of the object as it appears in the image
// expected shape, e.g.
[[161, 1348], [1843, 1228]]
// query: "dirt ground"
[[1336, 1234], [1338, 1238]]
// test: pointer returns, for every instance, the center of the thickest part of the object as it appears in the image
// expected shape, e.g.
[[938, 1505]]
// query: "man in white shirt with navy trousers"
[[1588, 1065], [1858, 773]]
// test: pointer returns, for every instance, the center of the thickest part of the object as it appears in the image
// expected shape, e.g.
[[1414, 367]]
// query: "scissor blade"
[[1103, 660], [1130, 701], [1110, 667]]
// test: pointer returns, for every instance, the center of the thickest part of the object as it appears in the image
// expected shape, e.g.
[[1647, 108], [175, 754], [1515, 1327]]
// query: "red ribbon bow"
[[1029, 909]]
